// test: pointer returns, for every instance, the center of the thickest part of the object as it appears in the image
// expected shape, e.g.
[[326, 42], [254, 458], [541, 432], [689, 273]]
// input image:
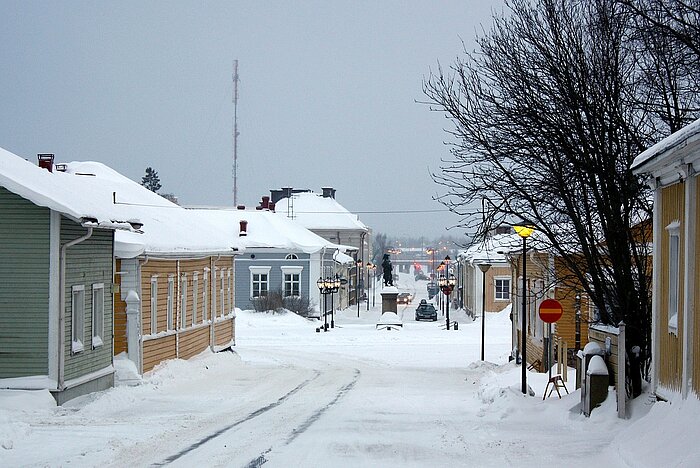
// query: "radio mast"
[[235, 132]]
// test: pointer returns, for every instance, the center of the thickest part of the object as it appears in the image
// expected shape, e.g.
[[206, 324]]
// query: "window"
[[674, 260], [230, 290], [291, 257], [502, 288], [154, 305], [205, 295], [98, 314], [291, 281], [259, 281], [183, 301], [222, 292], [77, 318], [170, 301], [195, 296]]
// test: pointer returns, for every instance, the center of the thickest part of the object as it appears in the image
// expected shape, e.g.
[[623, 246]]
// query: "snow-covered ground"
[[355, 396]]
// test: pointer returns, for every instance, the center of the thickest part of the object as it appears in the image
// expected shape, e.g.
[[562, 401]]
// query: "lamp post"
[[321, 283], [368, 285], [357, 287], [484, 267], [447, 283], [334, 286], [524, 232]]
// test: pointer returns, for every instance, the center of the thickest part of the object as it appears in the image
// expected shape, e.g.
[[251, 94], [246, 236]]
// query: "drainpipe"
[[62, 306]]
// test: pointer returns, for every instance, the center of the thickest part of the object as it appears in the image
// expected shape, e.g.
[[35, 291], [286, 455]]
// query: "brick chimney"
[[46, 161], [243, 228]]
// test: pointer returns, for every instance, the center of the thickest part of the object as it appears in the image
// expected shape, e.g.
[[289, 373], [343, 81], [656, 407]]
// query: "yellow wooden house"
[[671, 167]]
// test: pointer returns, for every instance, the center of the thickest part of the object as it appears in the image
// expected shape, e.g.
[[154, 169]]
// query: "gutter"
[[62, 306]]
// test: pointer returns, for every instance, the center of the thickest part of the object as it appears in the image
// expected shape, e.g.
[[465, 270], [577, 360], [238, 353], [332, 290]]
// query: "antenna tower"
[[235, 132]]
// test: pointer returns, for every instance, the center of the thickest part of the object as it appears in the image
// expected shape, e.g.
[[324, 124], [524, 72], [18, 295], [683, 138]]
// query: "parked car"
[[426, 311], [404, 298]]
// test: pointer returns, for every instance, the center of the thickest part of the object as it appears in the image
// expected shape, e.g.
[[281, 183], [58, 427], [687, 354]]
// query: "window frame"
[[674, 275], [77, 318], [170, 304], [291, 271], [183, 300], [195, 296], [98, 315], [154, 305], [259, 270], [507, 279]]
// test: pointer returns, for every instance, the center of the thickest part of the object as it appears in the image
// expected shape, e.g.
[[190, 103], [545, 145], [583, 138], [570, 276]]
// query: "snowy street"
[[355, 396]]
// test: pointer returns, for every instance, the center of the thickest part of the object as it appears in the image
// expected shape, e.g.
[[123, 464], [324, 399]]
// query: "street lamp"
[[357, 286], [334, 286], [321, 283], [368, 285], [484, 267], [447, 283], [524, 232]]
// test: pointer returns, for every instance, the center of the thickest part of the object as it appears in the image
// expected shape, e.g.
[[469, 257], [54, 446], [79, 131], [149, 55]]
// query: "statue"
[[386, 266]]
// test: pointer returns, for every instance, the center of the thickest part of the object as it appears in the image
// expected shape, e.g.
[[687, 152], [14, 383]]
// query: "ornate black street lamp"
[[328, 286], [447, 283]]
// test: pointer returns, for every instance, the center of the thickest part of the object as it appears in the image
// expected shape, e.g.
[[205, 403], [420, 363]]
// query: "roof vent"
[[240, 207], [46, 161], [243, 228]]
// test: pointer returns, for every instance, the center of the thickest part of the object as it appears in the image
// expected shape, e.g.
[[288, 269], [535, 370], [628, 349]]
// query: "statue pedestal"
[[389, 295]]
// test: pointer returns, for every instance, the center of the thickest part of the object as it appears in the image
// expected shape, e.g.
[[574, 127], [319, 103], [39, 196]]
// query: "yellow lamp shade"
[[524, 231]]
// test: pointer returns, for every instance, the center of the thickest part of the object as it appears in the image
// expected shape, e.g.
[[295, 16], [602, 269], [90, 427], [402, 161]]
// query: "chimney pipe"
[[243, 228], [46, 161], [272, 207], [265, 204]]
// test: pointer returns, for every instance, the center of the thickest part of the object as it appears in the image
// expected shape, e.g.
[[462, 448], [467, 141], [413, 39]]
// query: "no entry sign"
[[550, 310]]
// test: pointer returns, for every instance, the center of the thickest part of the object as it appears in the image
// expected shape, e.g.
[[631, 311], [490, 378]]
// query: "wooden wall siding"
[[670, 359], [193, 339], [565, 328], [493, 305], [158, 350], [88, 263], [193, 342], [24, 283], [120, 343], [611, 359], [696, 312], [224, 332], [536, 352], [276, 279]]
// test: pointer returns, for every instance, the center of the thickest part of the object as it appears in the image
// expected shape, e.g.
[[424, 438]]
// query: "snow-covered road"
[[355, 396]]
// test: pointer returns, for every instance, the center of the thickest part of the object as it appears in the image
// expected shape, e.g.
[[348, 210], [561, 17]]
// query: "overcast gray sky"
[[326, 96]]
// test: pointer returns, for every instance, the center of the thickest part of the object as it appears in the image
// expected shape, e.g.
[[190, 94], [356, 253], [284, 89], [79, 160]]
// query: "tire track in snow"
[[252, 415], [259, 461]]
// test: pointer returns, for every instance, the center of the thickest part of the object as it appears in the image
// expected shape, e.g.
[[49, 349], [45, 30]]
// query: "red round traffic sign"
[[550, 310]]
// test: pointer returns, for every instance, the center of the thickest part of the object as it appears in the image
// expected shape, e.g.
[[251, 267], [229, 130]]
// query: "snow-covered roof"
[[688, 134], [168, 229], [62, 193], [492, 250], [266, 229], [315, 211]]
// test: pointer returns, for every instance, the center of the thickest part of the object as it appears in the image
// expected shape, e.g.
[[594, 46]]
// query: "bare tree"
[[546, 126]]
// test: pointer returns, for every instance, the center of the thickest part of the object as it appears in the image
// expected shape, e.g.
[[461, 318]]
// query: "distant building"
[[323, 215]]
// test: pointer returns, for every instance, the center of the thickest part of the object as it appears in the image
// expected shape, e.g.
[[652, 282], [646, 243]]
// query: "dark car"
[[426, 311], [404, 298]]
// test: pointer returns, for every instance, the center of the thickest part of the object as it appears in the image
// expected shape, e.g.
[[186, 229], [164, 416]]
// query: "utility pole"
[[235, 132]]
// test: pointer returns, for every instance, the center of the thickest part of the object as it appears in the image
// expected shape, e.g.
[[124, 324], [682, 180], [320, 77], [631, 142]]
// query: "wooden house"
[[547, 277], [56, 280], [672, 167], [498, 277], [174, 285], [280, 255], [325, 216]]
